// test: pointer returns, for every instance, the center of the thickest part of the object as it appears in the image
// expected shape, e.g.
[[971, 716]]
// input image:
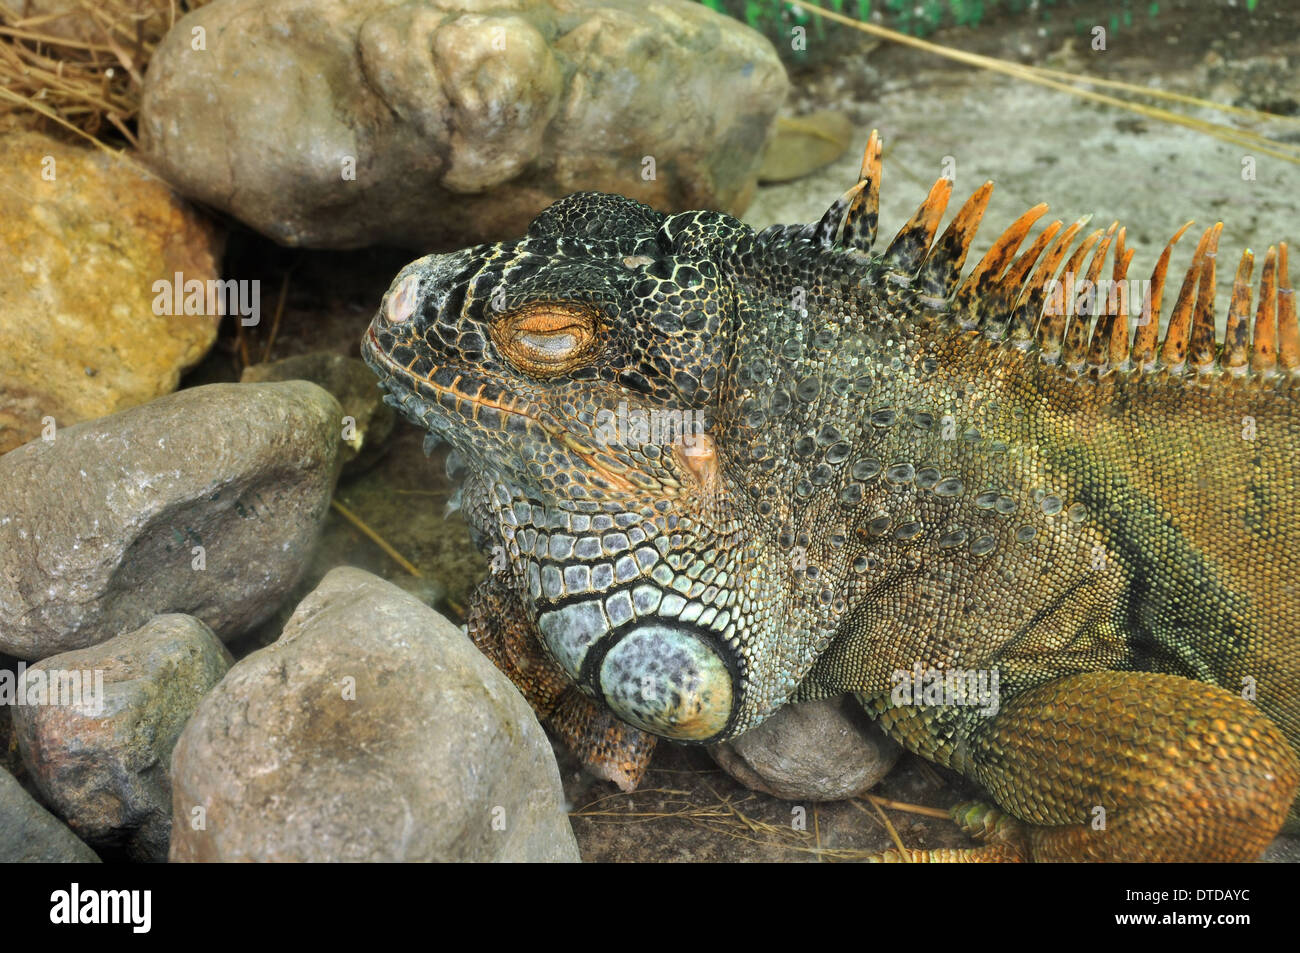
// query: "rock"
[[1285, 849], [29, 834], [824, 750], [443, 123], [373, 730], [801, 145], [80, 253], [108, 524], [102, 762], [353, 386]]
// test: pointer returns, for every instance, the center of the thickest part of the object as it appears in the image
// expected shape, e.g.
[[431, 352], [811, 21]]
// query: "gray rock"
[[29, 834], [824, 750], [353, 385], [373, 730], [442, 123], [1285, 849], [102, 763], [98, 525]]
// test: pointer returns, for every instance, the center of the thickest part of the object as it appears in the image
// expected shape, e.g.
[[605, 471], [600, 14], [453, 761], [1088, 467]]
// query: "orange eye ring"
[[547, 340]]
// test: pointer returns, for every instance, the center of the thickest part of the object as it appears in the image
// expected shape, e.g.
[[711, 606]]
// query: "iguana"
[[902, 475]]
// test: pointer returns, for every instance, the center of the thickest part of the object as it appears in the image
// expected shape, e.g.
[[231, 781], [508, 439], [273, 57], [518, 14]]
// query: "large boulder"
[[442, 123], [84, 238], [207, 502], [372, 730]]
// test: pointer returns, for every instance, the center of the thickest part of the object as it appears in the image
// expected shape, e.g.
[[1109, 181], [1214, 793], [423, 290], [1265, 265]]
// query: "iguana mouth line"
[[475, 400], [615, 480]]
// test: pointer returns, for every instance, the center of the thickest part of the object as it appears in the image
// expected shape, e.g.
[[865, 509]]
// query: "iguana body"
[[901, 473]]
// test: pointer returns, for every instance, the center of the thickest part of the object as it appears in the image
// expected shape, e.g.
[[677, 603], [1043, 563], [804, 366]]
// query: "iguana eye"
[[402, 300], [546, 340]]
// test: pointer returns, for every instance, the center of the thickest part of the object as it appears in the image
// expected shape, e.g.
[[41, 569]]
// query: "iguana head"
[[579, 371]]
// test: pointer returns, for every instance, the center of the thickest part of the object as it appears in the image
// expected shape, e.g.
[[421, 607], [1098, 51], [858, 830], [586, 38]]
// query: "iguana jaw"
[[463, 405]]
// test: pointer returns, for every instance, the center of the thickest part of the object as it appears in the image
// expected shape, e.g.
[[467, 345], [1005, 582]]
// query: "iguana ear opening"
[[547, 340]]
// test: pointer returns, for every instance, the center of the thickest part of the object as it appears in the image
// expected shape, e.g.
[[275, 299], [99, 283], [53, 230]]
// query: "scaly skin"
[[899, 471]]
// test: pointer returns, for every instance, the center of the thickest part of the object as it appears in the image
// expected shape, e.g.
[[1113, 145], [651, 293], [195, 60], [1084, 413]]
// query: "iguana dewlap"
[[890, 476]]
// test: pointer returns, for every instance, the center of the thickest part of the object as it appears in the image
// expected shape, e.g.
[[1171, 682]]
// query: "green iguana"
[[724, 470]]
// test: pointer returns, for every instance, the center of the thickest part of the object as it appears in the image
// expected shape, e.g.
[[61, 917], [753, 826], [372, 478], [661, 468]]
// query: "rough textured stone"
[[98, 526], [462, 118], [373, 730], [818, 751], [30, 834], [79, 255], [353, 385], [103, 763]]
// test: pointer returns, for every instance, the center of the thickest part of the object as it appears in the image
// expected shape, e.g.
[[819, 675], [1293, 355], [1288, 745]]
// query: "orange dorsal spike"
[[996, 310], [1076, 335], [1099, 342], [1060, 301], [1236, 338], [1003, 250], [910, 246], [1014, 278], [1263, 348], [1288, 333], [864, 211], [1119, 332], [831, 225], [978, 286], [1173, 352], [1148, 319], [942, 268], [1109, 345], [1029, 305], [1202, 347]]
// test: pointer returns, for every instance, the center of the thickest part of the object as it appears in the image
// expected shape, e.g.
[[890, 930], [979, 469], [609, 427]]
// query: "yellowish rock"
[[84, 238]]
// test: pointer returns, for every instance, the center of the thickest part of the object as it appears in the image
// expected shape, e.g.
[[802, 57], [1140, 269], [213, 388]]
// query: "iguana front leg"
[[610, 749], [1119, 766]]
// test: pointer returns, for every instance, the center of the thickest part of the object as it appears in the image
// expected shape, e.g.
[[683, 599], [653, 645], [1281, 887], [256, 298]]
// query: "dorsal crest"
[[1054, 296]]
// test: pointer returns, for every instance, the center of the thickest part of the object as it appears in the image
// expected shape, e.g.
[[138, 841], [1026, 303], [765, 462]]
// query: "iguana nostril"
[[402, 299], [668, 682]]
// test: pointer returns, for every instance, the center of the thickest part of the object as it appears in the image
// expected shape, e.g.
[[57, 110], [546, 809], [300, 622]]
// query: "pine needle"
[[375, 538]]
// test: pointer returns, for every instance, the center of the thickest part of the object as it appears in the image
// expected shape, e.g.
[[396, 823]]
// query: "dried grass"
[[81, 67], [726, 816]]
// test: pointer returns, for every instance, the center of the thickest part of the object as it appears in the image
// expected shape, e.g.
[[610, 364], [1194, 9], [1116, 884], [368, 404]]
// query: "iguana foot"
[[1007, 840], [610, 749]]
